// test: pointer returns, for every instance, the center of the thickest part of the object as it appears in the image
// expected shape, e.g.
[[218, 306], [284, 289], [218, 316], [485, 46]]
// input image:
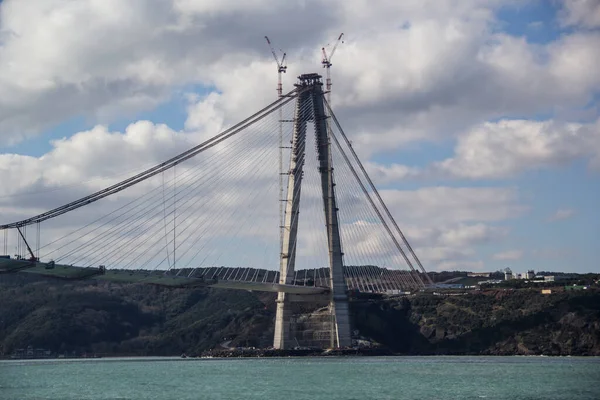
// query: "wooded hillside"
[[119, 319]]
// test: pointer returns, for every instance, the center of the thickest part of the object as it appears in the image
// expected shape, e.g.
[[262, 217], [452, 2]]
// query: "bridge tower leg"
[[310, 106], [283, 339]]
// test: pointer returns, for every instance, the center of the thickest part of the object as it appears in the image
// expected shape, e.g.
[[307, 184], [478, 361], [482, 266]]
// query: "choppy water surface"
[[304, 378]]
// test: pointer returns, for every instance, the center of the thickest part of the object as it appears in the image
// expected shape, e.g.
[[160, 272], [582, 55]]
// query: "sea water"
[[304, 378]]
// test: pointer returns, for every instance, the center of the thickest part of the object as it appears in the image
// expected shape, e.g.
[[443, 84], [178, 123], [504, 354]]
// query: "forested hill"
[[116, 319], [520, 322]]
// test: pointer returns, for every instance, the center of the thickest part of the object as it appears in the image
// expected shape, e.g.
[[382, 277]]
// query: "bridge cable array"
[[375, 192], [160, 167], [218, 208], [135, 232]]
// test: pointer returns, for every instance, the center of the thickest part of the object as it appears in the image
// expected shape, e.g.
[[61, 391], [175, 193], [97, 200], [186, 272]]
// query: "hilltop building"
[[508, 275], [530, 274]]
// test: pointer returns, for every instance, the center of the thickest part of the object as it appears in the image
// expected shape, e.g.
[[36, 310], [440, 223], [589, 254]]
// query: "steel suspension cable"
[[195, 183], [374, 189], [256, 170], [207, 228], [338, 145], [160, 167], [187, 201], [353, 188]]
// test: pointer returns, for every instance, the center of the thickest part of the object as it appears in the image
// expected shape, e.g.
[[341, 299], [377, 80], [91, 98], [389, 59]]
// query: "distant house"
[[553, 278], [530, 274]]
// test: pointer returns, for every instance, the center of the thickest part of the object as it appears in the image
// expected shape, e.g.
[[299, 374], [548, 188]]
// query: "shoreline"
[[268, 353], [231, 357]]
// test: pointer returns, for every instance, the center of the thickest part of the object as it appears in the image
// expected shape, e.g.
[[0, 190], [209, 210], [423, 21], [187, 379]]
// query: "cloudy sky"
[[478, 119]]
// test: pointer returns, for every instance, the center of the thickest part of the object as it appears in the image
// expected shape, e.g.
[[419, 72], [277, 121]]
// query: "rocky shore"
[[240, 353]]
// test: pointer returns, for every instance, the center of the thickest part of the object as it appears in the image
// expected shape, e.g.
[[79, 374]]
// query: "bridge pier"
[[283, 338], [310, 107]]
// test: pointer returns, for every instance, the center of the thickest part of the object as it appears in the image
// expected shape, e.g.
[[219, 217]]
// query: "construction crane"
[[281, 67], [327, 64]]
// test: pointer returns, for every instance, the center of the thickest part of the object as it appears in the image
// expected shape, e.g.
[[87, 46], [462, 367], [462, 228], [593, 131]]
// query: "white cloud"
[[535, 25], [443, 224], [442, 205], [434, 245], [553, 253], [461, 266], [125, 56], [564, 213], [472, 234], [408, 71], [422, 98], [390, 173], [508, 147], [509, 255], [90, 156], [581, 12], [453, 235], [504, 149], [447, 70], [441, 247]]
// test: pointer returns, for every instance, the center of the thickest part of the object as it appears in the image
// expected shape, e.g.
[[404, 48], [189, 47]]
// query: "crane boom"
[[273, 52], [33, 258], [281, 67], [336, 45], [283, 62], [327, 58]]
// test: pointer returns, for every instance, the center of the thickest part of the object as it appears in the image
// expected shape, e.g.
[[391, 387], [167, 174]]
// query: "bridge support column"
[[283, 339], [338, 305], [310, 107]]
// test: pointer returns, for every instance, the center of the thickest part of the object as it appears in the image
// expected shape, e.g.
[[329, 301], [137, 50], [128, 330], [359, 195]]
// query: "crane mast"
[[326, 61], [281, 68]]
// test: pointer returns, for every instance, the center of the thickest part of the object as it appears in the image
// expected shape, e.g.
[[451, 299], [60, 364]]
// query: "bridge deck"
[[70, 272], [269, 287], [365, 279]]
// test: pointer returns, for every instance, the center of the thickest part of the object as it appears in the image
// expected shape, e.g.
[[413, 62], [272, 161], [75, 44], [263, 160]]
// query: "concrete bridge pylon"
[[310, 108]]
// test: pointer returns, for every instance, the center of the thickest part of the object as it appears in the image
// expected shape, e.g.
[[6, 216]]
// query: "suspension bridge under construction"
[[211, 216]]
